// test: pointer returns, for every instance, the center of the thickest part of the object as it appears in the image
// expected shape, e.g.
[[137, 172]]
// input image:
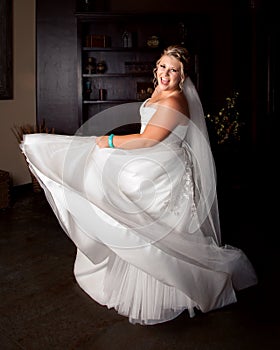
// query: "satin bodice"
[[177, 134]]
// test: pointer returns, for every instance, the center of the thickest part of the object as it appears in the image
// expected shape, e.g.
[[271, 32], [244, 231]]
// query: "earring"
[[181, 84]]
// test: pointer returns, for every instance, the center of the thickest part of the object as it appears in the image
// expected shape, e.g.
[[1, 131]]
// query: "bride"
[[142, 208]]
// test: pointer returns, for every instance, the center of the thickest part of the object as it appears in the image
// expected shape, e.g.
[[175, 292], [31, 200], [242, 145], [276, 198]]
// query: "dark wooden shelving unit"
[[124, 79], [120, 81]]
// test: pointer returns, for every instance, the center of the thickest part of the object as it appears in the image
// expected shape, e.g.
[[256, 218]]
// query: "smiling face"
[[169, 73]]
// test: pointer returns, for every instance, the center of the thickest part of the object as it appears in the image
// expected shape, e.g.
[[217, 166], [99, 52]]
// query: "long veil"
[[119, 208], [204, 171]]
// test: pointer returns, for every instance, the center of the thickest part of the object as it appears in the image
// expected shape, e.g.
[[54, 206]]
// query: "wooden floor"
[[42, 307]]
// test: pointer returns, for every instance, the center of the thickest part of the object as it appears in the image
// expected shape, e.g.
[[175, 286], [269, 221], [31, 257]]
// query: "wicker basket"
[[35, 184], [5, 189], [21, 130]]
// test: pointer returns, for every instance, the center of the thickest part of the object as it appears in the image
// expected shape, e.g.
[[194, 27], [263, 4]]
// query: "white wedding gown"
[[128, 213]]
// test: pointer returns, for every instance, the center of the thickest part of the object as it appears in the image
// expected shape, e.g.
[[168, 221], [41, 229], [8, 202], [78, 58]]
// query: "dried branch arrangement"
[[226, 123], [24, 129]]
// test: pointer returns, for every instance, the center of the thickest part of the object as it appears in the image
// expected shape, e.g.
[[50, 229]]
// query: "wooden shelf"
[[122, 49], [118, 75], [109, 101]]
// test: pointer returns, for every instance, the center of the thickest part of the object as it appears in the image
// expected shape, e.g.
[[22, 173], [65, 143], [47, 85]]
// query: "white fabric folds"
[[145, 221]]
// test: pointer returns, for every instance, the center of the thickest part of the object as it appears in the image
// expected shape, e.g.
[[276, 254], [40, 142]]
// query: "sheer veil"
[[145, 221], [204, 171]]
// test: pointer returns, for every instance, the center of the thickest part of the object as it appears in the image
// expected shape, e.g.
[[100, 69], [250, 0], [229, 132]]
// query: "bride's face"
[[169, 73]]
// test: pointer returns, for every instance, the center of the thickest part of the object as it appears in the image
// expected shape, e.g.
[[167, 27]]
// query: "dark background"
[[241, 55], [241, 41]]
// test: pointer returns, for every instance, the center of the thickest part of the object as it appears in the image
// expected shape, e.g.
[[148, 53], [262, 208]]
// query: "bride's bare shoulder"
[[177, 102]]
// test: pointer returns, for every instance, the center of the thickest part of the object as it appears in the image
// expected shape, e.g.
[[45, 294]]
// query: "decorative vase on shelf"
[[88, 90], [101, 67], [90, 66], [153, 41], [127, 39], [86, 5]]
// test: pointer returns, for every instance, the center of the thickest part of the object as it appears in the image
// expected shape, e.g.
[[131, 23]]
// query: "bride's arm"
[[164, 120], [151, 136]]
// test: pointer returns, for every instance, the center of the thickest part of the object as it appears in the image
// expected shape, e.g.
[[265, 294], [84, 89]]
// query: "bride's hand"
[[102, 141]]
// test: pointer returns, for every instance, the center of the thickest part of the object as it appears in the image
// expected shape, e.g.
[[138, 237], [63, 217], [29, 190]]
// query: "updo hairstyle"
[[182, 55]]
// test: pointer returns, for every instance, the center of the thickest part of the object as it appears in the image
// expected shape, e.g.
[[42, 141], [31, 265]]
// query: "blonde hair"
[[182, 55]]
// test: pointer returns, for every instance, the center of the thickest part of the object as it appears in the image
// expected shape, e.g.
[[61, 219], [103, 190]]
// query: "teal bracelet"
[[110, 141]]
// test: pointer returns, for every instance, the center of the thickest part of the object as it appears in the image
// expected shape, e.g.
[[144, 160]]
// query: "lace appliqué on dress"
[[184, 192]]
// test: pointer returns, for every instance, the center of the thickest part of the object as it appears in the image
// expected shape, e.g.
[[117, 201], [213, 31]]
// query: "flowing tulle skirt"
[[126, 213]]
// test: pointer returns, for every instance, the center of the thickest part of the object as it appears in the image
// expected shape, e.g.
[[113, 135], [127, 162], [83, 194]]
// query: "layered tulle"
[[146, 232]]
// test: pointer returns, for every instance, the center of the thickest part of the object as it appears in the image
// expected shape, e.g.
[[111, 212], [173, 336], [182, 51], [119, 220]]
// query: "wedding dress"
[[144, 221]]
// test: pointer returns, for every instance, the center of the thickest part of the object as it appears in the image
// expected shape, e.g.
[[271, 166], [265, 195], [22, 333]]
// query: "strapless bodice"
[[146, 113]]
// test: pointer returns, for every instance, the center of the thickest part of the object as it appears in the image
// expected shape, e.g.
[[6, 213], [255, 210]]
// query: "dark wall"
[[255, 67], [57, 65], [57, 54], [237, 57]]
